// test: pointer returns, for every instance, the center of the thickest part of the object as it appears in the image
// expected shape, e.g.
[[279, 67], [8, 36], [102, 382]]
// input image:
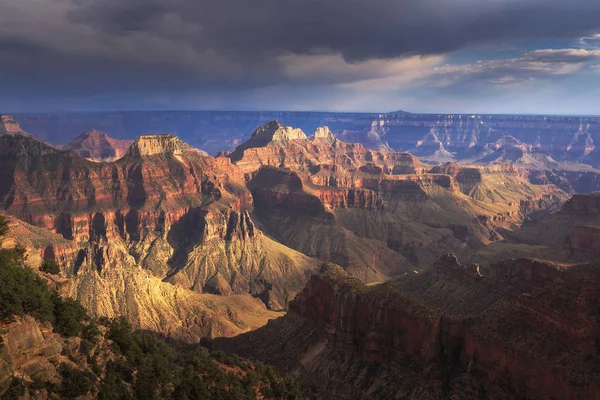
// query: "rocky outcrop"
[[395, 193], [324, 134], [144, 235], [31, 352], [338, 303], [504, 333], [164, 144], [273, 134], [278, 146], [98, 146], [8, 126], [584, 205]]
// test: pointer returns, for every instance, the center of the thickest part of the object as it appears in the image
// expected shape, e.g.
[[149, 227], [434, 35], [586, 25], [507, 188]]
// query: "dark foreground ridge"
[[446, 332]]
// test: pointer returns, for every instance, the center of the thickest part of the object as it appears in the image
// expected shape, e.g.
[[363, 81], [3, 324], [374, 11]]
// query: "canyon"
[[331, 255], [449, 332], [340, 201], [532, 140], [557, 149], [149, 235]]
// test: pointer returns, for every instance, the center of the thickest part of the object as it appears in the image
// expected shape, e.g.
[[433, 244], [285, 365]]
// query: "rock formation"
[[166, 213], [564, 148], [271, 133], [109, 282], [287, 147], [8, 126], [323, 133], [98, 146], [152, 145], [381, 202], [446, 332], [32, 352], [568, 235], [162, 212]]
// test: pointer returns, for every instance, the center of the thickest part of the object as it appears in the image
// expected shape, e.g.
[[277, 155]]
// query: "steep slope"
[[432, 149], [50, 348], [109, 283], [445, 333], [286, 147], [573, 231], [380, 213], [162, 212], [300, 215], [98, 146]]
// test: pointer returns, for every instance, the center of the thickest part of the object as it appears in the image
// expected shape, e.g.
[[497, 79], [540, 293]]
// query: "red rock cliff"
[[516, 333]]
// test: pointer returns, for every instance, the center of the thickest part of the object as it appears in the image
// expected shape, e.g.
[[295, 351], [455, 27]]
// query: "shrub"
[[68, 316], [75, 382], [91, 332], [113, 386], [149, 369], [50, 266], [21, 291]]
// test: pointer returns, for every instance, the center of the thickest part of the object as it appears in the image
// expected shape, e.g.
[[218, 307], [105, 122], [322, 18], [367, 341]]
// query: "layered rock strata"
[[447, 332], [163, 212], [98, 146]]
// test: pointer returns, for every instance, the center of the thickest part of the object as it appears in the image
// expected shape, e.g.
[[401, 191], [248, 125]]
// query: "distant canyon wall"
[[213, 131]]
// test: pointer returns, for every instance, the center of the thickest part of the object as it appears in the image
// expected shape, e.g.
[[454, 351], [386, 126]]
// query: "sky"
[[435, 56]]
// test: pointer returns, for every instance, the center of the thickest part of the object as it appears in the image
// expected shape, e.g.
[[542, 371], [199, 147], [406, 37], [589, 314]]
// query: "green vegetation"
[[24, 293], [75, 382], [50, 266], [68, 316], [195, 374], [145, 366]]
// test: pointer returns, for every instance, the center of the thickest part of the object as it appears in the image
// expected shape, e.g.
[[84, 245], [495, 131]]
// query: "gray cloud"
[[528, 68], [71, 48], [358, 29]]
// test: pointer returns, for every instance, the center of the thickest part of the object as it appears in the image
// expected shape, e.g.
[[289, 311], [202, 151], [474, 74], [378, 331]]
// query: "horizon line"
[[399, 112]]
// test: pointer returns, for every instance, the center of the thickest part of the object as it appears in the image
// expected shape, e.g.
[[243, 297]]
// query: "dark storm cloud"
[[359, 29], [108, 47]]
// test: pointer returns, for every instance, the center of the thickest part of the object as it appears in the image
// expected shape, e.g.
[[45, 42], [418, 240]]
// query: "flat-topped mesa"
[[323, 133], [150, 145], [8, 126]]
